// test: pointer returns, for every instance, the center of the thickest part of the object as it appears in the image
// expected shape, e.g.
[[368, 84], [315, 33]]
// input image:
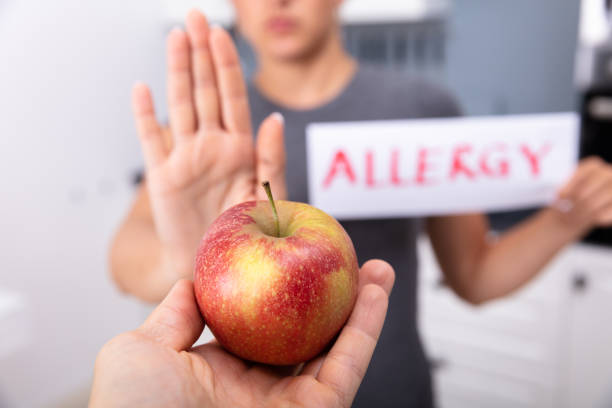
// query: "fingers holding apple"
[[176, 322], [276, 293], [376, 277], [346, 363], [377, 272]]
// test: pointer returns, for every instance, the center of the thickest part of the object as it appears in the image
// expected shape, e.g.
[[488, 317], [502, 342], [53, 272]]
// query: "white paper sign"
[[439, 166]]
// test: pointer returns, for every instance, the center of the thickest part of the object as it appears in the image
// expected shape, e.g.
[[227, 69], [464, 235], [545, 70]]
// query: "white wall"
[[67, 150]]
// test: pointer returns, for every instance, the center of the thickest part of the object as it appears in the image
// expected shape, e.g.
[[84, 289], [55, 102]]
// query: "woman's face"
[[286, 29]]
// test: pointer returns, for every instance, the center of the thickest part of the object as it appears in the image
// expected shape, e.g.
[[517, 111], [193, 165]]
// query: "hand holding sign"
[[586, 200]]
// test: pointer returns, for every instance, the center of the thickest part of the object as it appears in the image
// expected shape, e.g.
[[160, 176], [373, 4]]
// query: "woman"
[[305, 75]]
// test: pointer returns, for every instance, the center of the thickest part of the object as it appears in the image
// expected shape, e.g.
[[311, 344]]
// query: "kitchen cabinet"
[[544, 346], [589, 362]]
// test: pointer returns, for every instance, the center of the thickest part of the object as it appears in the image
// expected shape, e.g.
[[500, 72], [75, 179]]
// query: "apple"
[[275, 280]]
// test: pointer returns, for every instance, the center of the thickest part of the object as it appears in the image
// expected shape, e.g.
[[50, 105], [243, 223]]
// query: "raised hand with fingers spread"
[[211, 162], [155, 366]]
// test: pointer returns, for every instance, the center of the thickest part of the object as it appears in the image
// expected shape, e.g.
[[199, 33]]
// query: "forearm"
[[519, 254], [138, 264]]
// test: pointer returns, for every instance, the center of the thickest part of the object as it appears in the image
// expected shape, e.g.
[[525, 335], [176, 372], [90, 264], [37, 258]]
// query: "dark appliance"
[[596, 138]]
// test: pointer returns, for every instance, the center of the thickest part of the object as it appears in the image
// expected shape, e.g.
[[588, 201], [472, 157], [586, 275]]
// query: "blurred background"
[[69, 157]]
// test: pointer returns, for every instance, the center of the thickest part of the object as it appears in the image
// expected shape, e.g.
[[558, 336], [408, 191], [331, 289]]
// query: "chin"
[[290, 49]]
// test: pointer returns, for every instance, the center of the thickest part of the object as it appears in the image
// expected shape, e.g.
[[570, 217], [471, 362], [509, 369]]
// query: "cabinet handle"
[[580, 282]]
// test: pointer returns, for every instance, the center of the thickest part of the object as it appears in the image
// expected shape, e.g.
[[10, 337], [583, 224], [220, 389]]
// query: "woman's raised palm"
[[207, 160]]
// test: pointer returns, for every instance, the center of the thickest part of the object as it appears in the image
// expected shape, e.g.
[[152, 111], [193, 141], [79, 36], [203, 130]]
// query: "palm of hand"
[[215, 378], [211, 162], [241, 384], [193, 186], [155, 366]]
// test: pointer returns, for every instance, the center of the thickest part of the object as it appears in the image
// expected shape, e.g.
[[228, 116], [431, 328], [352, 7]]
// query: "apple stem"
[[266, 186]]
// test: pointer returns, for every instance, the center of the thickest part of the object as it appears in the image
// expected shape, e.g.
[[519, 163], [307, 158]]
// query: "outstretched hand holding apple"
[[155, 366], [211, 162], [275, 281]]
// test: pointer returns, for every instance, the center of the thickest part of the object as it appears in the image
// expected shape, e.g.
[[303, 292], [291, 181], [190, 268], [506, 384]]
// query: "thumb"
[[176, 322], [270, 153]]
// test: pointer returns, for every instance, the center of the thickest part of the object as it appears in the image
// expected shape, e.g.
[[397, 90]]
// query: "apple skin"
[[275, 300]]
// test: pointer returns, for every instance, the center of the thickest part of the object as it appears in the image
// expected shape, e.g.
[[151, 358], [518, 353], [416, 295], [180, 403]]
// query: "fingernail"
[[176, 29], [216, 26], [564, 205], [279, 117]]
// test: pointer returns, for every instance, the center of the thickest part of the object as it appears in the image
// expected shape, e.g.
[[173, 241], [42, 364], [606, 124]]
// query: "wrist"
[[565, 226], [170, 267], [177, 264]]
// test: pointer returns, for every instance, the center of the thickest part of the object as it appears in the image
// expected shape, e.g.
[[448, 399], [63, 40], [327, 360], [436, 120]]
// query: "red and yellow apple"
[[275, 290]]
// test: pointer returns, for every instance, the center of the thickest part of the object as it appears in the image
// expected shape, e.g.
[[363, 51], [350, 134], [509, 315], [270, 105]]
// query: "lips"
[[282, 25]]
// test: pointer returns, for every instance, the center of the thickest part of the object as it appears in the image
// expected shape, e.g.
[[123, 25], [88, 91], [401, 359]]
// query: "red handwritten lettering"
[[396, 180], [458, 166], [502, 166], [369, 163], [534, 158], [423, 165], [339, 162]]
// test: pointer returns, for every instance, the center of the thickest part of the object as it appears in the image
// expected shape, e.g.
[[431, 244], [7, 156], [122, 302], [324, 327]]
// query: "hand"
[[211, 162], [155, 366], [586, 200]]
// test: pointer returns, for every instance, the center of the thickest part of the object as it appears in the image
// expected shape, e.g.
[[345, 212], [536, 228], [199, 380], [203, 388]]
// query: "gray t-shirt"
[[398, 375]]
